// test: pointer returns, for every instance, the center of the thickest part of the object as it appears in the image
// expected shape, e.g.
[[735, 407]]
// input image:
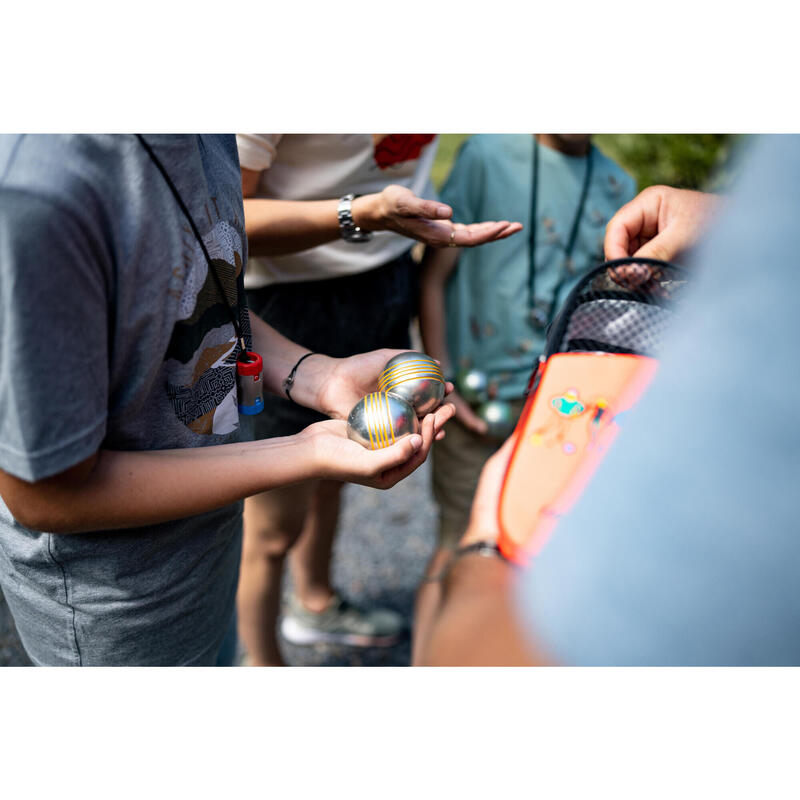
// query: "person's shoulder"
[[67, 170], [613, 172]]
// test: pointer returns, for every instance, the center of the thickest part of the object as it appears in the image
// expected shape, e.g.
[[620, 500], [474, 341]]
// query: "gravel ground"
[[384, 542]]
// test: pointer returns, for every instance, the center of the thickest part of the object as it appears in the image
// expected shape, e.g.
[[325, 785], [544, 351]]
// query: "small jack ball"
[[415, 377], [379, 420]]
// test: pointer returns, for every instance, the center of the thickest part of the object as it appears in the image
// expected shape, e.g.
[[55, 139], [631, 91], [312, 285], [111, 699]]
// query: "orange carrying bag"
[[598, 361]]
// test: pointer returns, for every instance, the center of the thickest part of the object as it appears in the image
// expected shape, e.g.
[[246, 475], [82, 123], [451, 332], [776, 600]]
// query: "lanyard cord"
[[236, 326], [573, 234]]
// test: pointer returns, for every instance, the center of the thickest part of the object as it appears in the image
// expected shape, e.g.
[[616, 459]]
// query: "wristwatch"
[[349, 230]]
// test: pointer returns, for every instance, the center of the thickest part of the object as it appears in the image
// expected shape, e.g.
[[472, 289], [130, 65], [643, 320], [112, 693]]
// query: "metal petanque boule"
[[498, 416], [416, 378], [380, 419], [473, 386]]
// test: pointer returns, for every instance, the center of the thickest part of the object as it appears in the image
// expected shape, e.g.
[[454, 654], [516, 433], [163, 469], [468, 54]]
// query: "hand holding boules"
[[416, 378]]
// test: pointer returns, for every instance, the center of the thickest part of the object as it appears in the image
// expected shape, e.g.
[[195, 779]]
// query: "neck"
[[579, 148]]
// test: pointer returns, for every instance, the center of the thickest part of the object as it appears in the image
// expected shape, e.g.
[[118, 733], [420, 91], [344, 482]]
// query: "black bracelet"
[[288, 381]]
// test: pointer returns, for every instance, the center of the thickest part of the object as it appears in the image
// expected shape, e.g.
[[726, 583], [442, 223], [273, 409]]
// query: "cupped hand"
[[398, 209], [339, 458], [349, 379]]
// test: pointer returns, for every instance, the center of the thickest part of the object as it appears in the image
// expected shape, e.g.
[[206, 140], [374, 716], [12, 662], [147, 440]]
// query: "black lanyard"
[[536, 315], [176, 194]]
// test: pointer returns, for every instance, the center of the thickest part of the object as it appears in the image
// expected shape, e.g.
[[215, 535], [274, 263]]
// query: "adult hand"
[[466, 416], [336, 457], [398, 209], [483, 525], [660, 222]]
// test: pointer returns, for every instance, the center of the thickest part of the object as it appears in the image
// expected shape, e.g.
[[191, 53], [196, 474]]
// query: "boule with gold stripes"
[[379, 420], [415, 377]]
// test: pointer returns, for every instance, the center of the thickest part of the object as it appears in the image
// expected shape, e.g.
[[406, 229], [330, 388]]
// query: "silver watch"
[[349, 230]]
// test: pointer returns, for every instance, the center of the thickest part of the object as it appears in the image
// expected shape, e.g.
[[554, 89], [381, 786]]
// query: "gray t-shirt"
[[114, 335], [685, 548]]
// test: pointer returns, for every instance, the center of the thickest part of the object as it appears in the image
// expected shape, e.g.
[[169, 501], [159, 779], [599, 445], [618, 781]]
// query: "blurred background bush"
[[688, 161]]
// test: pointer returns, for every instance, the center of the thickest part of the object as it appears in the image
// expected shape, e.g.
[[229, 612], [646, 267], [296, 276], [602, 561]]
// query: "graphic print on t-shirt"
[[391, 149], [202, 353]]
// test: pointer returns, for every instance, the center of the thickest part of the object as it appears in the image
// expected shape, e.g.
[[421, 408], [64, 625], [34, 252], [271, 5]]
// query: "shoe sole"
[[294, 633]]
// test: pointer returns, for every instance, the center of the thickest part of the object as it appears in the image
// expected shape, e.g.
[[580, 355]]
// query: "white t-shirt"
[[325, 166]]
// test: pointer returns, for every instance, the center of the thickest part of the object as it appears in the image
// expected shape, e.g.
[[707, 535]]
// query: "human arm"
[[476, 623], [113, 489], [277, 227], [437, 266]]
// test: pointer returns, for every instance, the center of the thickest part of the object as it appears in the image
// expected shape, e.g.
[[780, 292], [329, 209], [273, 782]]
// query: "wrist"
[[309, 381], [475, 569], [366, 212]]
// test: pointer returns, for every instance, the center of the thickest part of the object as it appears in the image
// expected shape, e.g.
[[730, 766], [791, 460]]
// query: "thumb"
[[426, 209], [394, 455], [665, 246]]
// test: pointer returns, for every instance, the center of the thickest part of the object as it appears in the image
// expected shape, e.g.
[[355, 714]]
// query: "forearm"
[[130, 489], [432, 317], [476, 623], [280, 355], [279, 227]]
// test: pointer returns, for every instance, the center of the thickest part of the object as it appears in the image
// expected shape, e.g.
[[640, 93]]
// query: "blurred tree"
[[687, 161], [684, 160]]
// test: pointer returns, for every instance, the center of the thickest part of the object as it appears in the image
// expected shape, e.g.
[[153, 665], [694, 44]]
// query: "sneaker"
[[340, 623]]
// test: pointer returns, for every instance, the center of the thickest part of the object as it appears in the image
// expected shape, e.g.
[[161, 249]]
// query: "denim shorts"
[[338, 317]]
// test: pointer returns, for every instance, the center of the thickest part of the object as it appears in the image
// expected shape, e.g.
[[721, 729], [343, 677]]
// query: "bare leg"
[[273, 522], [426, 606], [310, 558]]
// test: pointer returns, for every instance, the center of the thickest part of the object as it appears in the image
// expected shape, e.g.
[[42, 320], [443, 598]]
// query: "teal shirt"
[[489, 321]]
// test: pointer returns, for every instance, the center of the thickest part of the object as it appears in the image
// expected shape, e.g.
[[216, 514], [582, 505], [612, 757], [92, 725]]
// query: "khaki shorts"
[[457, 463]]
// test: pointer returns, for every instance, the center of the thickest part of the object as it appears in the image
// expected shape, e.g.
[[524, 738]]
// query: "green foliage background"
[[688, 161]]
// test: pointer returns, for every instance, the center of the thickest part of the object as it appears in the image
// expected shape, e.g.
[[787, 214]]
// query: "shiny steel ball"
[[415, 377], [473, 386], [380, 419], [498, 416]]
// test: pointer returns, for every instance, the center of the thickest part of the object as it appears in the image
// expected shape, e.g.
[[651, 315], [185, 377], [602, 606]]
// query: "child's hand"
[[466, 416], [347, 380], [336, 457]]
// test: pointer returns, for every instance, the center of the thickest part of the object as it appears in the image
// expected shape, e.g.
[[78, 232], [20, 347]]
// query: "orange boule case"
[[598, 362]]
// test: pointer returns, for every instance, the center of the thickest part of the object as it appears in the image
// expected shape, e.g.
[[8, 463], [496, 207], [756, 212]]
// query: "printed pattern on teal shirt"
[[489, 325]]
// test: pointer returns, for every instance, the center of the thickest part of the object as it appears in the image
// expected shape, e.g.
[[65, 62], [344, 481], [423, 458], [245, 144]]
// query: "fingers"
[[467, 417], [482, 232], [426, 209], [444, 234], [483, 517], [404, 203], [396, 455], [635, 222]]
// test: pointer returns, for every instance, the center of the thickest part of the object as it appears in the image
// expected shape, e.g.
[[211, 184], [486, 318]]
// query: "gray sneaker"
[[340, 623]]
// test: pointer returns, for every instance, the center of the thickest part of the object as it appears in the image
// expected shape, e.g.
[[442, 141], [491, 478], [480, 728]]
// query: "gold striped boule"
[[380, 419], [415, 377]]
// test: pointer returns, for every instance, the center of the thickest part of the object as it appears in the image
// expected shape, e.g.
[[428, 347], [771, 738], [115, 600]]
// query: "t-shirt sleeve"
[[257, 151], [54, 329], [464, 187]]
